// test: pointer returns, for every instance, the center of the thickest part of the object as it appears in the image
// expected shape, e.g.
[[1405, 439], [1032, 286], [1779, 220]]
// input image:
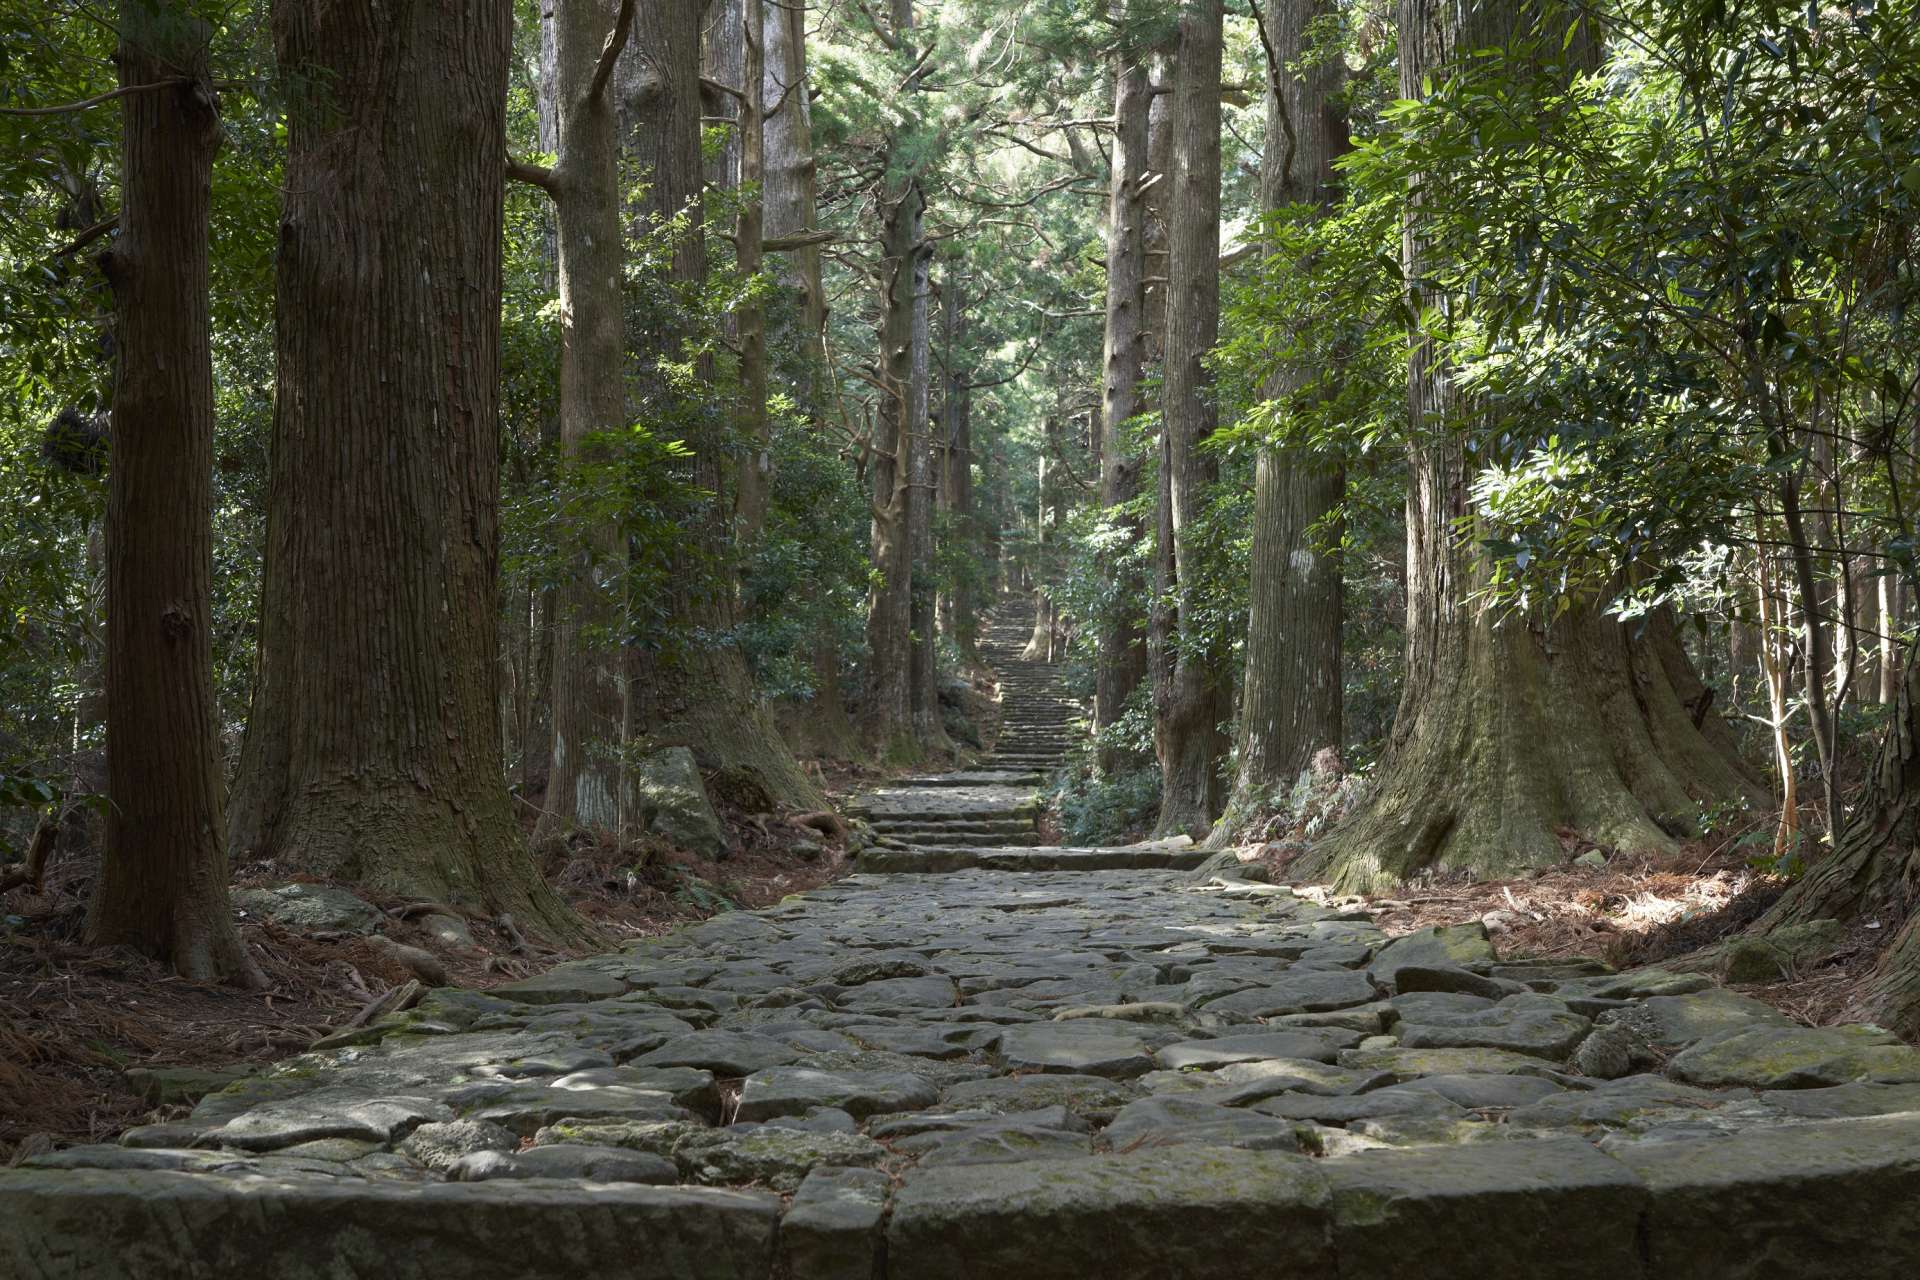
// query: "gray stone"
[[1844, 1101], [773, 1157], [119, 1224], [1408, 1063], [1179, 1121], [1452, 946], [328, 1113], [1781, 954], [1004, 1144], [1547, 1210], [688, 1087], [311, 908], [674, 804], [1344, 1110], [1824, 1201], [449, 931], [1411, 977], [568, 1160], [1481, 1093], [1536, 1033], [1618, 1104], [785, 1091], [439, 1146], [1319, 1045], [1607, 1053], [1094, 1048], [728, 1054], [1676, 1022], [819, 1120], [1799, 1058], [1223, 1214], [567, 984], [833, 1231], [1304, 992], [526, 1109], [935, 992], [1087, 1096]]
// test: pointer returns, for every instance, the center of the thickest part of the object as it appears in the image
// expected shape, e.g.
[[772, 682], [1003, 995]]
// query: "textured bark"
[[373, 752], [887, 715], [1290, 695], [1039, 647], [1509, 735], [1875, 870], [954, 469], [163, 881], [1188, 716], [756, 471], [698, 694], [1121, 661], [587, 782], [924, 679]]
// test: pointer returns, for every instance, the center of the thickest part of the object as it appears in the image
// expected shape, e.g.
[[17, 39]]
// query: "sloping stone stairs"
[[988, 816]]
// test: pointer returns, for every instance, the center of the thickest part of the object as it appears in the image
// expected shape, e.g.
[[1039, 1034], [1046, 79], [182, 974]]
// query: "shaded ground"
[[74, 1019]]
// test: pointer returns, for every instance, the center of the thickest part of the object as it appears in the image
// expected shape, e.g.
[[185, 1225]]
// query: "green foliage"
[[1107, 810]]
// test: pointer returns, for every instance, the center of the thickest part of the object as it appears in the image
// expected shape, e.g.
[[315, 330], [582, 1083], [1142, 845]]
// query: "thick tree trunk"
[[1191, 744], [1291, 693], [699, 693], [163, 881], [1121, 661], [958, 609], [587, 783], [373, 752], [1875, 870], [1509, 735]]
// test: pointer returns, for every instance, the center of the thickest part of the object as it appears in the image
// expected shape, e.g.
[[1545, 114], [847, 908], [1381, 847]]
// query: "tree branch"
[[610, 52], [533, 175], [96, 100]]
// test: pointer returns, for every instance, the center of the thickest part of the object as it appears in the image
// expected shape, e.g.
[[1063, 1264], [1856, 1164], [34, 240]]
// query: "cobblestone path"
[[1014, 1070]]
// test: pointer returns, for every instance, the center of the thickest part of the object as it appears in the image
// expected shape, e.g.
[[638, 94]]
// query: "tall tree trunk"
[[756, 471], [1191, 744], [1891, 598], [928, 727], [163, 882], [1039, 647], [887, 716], [373, 752], [960, 618], [1290, 697], [1121, 654], [1874, 871], [1508, 735], [587, 783], [697, 693]]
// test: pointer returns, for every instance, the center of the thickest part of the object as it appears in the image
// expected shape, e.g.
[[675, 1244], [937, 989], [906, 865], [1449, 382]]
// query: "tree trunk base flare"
[[1875, 871], [1040, 642], [1517, 737], [1191, 751], [705, 703]]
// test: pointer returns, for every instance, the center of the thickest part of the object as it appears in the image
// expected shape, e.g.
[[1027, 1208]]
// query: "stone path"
[[987, 817], [1047, 1075]]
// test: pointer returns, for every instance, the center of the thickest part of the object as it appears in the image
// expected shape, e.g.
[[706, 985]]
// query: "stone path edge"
[[1808, 1201]]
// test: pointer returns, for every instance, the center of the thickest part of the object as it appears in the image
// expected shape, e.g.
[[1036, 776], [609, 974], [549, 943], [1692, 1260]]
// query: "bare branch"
[[610, 52]]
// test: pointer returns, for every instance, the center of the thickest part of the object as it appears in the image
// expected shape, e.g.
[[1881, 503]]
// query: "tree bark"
[[163, 881], [756, 472], [1191, 744], [1121, 661], [697, 692], [1508, 735], [887, 716], [587, 782], [373, 752], [928, 727], [1290, 701]]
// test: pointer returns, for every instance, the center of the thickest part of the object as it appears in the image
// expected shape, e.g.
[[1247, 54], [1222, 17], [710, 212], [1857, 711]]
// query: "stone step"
[[960, 857]]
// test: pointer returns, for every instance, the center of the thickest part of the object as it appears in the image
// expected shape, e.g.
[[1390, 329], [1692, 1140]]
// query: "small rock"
[[1607, 1053], [441, 1145], [673, 800], [1592, 860], [450, 931], [593, 1164], [423, 965], [311, 908]]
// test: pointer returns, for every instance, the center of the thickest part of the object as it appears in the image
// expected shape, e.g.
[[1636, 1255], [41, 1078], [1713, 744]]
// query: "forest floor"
[[1633, 910], [75, 1019]]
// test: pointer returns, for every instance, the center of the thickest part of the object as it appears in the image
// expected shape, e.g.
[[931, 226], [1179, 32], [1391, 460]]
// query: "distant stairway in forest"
[[988, 816]]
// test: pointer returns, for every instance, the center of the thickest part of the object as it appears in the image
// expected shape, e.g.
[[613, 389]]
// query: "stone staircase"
[[988, 816]]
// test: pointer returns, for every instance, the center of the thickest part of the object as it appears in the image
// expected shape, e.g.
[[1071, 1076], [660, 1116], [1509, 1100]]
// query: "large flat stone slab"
[[184, 1226], [1219, 1213]]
